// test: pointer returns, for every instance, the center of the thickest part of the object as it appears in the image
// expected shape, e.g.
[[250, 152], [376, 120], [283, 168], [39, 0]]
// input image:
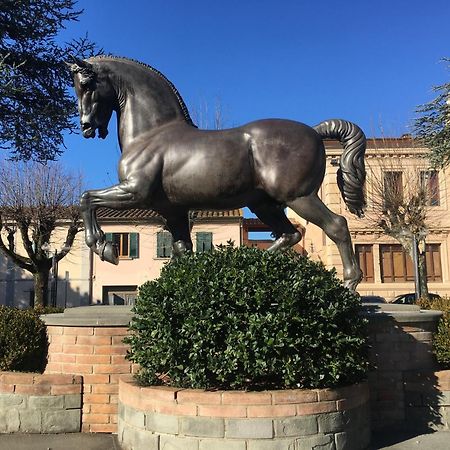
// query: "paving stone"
[[30, 421], [135, 439], [296, 426], [202, 427], [249, 428], [331, 422], [9, 421], [72, 401], [8, 400], [134, 417], [317, 442], [68, 421], [273, 444], [46, 402], [222, 444], [167, 442], [162, 423]]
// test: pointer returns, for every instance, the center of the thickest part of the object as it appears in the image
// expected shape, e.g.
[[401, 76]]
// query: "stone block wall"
[[162, 417], [98, 354], [36, 403], [427, 397]]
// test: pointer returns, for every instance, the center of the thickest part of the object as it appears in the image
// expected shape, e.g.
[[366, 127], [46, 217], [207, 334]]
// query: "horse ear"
[[82, 67]]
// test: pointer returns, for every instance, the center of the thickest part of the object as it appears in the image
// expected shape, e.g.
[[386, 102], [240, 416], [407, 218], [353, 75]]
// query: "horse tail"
[[351, 174]]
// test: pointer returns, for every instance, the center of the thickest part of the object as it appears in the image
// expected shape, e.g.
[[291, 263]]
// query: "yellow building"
[[387, 270]]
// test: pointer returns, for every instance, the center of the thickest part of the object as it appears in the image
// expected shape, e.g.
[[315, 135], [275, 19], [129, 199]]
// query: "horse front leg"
[[121, 196]]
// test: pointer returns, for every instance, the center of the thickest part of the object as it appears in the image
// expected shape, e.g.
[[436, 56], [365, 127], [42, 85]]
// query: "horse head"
[[96, 97]]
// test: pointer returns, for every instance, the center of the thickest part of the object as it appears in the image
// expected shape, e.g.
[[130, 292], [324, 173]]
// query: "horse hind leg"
[[335, 227], [178, 225], [275, 218]]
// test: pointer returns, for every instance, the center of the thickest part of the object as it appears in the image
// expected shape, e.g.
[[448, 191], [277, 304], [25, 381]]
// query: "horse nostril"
[[85, 126]]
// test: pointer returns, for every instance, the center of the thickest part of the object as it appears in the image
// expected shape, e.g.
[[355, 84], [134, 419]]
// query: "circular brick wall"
[[160, 417]]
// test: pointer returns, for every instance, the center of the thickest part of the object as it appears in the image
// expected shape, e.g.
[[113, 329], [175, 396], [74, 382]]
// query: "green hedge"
[[441, 340], [23, 340], [244, 318]]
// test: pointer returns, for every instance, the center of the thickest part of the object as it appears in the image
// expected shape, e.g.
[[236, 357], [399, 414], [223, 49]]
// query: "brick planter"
[[36, 403], [88, 342], [162, 417]]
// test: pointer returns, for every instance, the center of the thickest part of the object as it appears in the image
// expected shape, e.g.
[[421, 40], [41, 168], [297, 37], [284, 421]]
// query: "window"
[[127, 244], [163, 244], [119, 295], [204, 242], [392, 188], [429, 181], [433, 260], [364, 255], [396, 265]]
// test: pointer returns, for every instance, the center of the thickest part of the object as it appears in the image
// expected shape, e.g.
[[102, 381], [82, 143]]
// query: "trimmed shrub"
[[23, 340], [441, 340], [245, 318]]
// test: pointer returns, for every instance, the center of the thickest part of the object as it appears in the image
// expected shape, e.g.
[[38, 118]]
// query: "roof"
[[148, 214]]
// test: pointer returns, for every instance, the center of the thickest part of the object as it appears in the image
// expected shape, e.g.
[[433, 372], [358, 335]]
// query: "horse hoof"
[[110, 253]]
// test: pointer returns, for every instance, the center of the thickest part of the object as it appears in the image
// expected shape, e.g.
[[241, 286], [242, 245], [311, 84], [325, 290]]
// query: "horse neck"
[[136, 116]]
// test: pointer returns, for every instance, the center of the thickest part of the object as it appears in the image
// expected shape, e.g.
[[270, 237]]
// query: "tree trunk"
[[41, 288], [423, 275]]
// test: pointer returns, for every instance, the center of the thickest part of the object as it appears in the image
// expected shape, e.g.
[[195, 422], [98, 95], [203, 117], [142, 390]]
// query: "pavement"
[[84, 441]]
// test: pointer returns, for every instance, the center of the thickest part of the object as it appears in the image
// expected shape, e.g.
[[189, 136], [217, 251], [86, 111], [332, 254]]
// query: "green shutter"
[[164, 244], [109, 237], [134, 245], [204, 242]]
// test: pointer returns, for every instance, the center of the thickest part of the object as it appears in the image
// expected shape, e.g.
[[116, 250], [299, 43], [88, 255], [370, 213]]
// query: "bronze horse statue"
[[171, 166]]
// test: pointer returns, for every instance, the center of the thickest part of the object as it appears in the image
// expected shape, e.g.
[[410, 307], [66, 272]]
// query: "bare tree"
[[35, 200], [209, 117], [401, 194]]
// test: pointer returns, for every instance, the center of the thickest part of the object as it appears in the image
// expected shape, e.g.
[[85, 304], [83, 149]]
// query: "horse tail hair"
[[351, 174]]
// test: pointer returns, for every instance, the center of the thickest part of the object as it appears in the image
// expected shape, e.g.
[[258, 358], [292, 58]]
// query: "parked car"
[[410, 298], [372, 299]]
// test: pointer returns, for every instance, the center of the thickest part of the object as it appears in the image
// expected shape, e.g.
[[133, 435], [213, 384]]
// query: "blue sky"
[[371, 62]]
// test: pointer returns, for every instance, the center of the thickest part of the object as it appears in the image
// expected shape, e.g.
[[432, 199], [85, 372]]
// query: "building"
[[144, 247], [388, 271]]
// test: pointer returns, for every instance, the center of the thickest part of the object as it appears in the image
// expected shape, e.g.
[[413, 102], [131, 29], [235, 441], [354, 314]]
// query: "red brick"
[[246, 398], [79, 331], [108, 368], [77, 368], [294, 396], [187, 409], [222, 411], [17, 378], [119, 359], [52, 330], [86, 408], [53, 367], [114, 398], [352, 402], [195, 396], [111, 331], [63, 339], [96, 398], [110, 350], [105, 388], [53, 379], [103, 428], [9, 388], [118, 340], [94, 340], [55, 348], [96, 379], [107, 408], [135, 368], [316, 408], [271, 411], [61, 358], [78, 349], [66, 389], [93, 359], [95, 418], [35, 389]]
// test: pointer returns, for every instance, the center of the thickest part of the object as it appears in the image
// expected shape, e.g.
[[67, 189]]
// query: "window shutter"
[[109, 237], [134, 245], [163, 244], [204, 242]]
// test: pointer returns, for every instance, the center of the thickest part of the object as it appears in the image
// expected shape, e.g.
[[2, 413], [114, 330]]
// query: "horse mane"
[[172, 87]]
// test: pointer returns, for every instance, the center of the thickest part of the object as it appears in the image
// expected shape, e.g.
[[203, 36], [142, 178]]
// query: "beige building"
[[144, 247], [387, 270]]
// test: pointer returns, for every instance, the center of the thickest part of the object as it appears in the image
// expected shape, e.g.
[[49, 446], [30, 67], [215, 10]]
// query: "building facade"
[[388, 271]]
